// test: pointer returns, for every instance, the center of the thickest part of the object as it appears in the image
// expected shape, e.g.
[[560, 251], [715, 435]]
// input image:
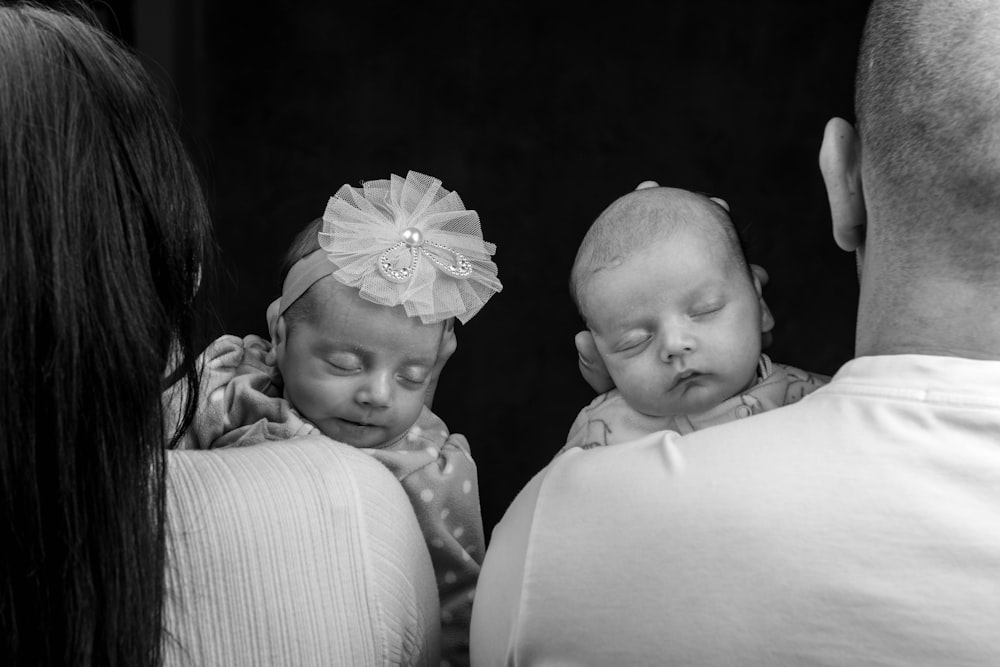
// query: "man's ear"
[[840, 163]]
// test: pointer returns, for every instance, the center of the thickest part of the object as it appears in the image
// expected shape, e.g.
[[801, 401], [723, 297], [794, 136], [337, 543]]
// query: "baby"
[[676, 317], [364, 324]]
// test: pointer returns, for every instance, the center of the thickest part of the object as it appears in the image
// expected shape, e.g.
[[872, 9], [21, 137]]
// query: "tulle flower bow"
[[410, 242]]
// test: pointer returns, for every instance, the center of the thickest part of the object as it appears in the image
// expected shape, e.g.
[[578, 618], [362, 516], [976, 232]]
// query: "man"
[[860, 526]]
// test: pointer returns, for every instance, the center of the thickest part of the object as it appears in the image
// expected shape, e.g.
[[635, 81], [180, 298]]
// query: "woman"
[[104, 230]]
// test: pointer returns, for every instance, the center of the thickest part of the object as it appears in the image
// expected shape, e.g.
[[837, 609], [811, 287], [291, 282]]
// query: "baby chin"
[[690, 396]]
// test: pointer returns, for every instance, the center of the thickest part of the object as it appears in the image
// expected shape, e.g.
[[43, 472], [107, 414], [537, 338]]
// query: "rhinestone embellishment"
[[391, 273], [460, 268], [445, 259]]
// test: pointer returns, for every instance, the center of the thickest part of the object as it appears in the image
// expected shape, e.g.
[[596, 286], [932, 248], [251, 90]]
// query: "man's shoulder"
[[727, 450]]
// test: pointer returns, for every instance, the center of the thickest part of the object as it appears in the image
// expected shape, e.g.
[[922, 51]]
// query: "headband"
[[407, 242]]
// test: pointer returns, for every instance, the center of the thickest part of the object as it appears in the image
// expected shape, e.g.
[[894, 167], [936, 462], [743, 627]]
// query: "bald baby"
[[644, 218], [675, 318]]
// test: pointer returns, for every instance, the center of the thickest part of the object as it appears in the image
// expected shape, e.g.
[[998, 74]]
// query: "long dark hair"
[[103, 230]]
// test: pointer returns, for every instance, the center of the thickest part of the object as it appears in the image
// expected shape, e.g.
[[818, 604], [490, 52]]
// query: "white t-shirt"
[[859, 526]]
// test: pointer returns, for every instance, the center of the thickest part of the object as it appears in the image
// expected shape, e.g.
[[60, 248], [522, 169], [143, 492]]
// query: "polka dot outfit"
[[438, 474], [239, 398]]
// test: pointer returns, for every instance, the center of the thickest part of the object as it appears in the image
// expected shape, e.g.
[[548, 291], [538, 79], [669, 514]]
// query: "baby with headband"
[[363, 325]]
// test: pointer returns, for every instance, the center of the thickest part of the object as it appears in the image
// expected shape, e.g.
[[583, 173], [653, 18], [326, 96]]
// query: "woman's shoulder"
[[288, 480], [309, 525]]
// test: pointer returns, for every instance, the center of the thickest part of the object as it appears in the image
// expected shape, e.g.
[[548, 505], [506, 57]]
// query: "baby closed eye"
[[414, 375], [633, 343], [344, 363], [707, 310]]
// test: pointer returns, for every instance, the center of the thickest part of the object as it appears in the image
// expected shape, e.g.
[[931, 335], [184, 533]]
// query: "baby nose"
[[676, 343], [377, 391]]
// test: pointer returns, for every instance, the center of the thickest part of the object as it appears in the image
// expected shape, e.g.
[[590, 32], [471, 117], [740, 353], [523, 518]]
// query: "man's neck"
[[942, 317]]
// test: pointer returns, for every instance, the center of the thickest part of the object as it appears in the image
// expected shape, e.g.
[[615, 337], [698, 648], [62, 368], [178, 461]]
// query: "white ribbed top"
[[301, 552]]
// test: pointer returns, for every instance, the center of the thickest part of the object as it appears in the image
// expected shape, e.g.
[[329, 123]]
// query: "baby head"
[[663, 285], [356, 370], [369, 292]]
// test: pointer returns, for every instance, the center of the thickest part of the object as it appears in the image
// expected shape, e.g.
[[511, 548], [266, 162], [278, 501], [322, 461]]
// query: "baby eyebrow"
[[327, 348], [423, 362]]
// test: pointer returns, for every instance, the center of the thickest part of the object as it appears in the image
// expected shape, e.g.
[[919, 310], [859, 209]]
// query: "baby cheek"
[[412, 404], [623, 372], [320, 395], [641, 386]]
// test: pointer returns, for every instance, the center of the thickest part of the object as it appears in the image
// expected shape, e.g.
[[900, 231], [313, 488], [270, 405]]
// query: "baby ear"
[[592, 367], [273, 311], [449, 342], [721, 202], [760, 279], [279, 335]]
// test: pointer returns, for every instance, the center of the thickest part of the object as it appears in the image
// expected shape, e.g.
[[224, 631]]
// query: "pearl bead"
[[413, 237]]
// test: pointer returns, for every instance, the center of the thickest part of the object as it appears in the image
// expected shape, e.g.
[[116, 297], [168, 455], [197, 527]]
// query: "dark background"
[[538, 115]]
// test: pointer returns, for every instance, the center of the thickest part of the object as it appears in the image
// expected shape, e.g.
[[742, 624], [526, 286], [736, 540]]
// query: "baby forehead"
[[646, 216], [667, 240], [703, 238], [657, 278], [342, 315], [685, 263]]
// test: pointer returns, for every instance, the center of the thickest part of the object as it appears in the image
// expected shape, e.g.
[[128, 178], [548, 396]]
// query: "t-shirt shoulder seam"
[[909, 394]]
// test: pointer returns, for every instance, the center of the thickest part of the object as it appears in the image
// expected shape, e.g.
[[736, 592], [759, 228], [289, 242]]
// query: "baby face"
[[358, 370], [678, 325]]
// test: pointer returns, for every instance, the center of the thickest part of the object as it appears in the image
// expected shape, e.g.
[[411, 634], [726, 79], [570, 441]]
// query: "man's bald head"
[[642, 218], [928, 114]]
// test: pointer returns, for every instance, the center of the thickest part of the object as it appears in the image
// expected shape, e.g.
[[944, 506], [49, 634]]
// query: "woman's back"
[[301, 552], [117, 552]]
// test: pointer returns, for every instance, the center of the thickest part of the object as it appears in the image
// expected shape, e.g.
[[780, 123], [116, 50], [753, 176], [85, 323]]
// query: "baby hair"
[[642, 218]]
